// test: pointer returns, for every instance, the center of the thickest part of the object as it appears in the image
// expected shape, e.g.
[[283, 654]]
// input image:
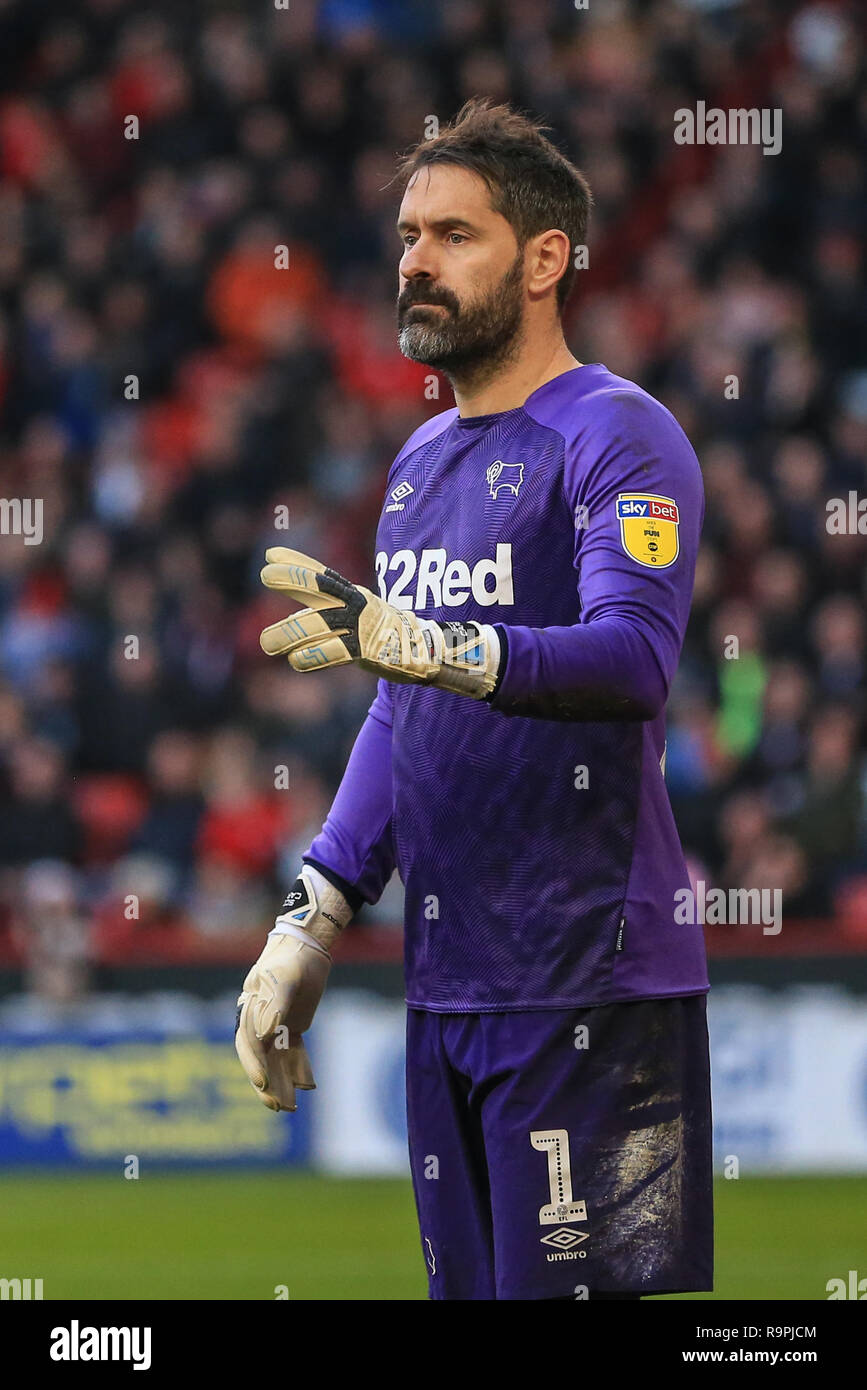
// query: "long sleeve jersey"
[[532, 830]]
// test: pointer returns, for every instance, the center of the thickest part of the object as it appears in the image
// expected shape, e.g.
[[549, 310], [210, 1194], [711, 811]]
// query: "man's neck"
[[514, 381]]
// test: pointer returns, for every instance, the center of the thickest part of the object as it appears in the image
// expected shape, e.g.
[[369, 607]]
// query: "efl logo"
[[649, 528]]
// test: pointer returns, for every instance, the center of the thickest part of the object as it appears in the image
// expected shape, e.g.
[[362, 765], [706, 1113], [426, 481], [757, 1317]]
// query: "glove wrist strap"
[[314, 910], [468, 655], [284, 928]]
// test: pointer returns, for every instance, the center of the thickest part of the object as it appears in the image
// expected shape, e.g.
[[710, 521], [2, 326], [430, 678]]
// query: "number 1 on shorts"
[[561, 1207]]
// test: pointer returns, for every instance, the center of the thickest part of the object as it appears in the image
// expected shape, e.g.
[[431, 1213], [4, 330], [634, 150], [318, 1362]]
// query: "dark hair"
[[531, 183]]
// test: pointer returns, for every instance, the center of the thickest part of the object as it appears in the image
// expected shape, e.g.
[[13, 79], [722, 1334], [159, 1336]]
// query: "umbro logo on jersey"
[[397, 495], [507, 477]]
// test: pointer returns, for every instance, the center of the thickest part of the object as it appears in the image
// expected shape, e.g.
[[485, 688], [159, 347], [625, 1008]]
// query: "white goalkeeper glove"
[[345, 622], [284, 987]]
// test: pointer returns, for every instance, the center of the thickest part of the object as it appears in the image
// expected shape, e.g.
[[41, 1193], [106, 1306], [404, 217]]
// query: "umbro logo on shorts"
[[564, 1242]]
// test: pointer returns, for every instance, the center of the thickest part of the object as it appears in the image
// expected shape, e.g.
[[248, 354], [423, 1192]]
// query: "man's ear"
[[547, 259]]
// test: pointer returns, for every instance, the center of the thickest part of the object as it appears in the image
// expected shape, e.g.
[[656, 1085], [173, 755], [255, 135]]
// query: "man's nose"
[[418, 262]]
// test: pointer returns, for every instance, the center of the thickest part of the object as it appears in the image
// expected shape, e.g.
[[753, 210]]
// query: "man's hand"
[[277, 1004], [282, 990], [344, 622]]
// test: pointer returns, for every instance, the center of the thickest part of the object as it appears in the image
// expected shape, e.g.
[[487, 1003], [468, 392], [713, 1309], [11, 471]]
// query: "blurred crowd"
[[179, 403]]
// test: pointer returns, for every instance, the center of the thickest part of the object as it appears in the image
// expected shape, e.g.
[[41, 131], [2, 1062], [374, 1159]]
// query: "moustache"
[[410, 299]]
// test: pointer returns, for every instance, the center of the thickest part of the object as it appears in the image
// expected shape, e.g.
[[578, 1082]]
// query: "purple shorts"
[[556, 1153]]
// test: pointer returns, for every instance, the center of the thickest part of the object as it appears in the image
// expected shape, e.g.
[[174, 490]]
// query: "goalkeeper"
[[534, 567]]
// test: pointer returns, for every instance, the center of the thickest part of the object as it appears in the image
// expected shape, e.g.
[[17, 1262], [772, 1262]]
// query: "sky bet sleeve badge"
[[649, 528]]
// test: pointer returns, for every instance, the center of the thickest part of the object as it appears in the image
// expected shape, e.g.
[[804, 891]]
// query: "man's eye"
[[408, 239], [456, 237]]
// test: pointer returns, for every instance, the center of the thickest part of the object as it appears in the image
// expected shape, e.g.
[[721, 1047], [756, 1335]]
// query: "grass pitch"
[[242, 1235]]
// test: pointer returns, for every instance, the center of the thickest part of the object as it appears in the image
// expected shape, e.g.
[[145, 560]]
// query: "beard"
[[463, 340]]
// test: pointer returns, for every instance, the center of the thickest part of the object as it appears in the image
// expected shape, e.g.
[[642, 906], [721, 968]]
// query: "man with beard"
[[534, 562]]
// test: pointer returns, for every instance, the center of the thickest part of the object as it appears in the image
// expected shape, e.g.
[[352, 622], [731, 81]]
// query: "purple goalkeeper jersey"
[[532, 831]]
